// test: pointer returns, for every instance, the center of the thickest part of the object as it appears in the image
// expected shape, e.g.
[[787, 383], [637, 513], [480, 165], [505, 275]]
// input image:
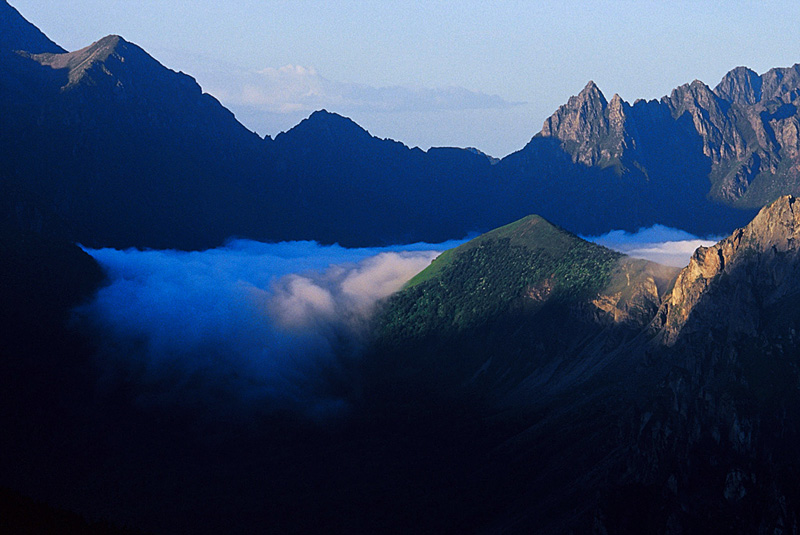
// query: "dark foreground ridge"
[[528, 381], [674, 417]]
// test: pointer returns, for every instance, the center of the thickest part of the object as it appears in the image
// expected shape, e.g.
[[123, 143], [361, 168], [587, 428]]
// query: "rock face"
[[602, 162], [750, 271], [635, 291], [593, 130], [721, 422]]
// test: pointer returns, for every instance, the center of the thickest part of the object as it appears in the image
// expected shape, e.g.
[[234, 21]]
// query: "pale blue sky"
[[534, 53]]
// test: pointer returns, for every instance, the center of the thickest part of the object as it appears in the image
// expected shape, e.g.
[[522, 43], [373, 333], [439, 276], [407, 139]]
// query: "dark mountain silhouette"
[[45, 368], [19, 514], [131, 153], [127, 151], [374, 190]]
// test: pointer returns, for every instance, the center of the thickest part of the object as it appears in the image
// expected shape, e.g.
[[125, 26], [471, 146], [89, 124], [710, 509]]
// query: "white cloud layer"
[[295, 88], [269, 324], [665, 245]]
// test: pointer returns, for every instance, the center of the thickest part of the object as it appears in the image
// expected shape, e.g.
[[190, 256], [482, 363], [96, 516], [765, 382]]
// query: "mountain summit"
[[102, 59], [504, 307], [740, 86], [124, 150], [591, 128], [324, 128]]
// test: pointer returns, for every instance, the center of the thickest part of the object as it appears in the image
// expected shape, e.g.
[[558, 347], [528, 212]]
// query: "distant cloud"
[[658, 243], [294, 88], [268, 325]]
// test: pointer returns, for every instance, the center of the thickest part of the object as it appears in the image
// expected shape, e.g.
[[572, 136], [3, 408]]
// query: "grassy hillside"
[[523, 264]]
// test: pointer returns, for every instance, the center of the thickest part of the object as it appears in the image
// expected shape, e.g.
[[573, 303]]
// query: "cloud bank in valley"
[[658, 243], [271, 325]]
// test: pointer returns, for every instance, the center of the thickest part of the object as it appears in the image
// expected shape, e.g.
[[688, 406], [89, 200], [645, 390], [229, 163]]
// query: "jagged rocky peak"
[[721, 140], [591, 93], [581, 112], [776, 227], [781, 83], [590, 128], [617, 112], [740, 86], [692, 96], [729, 285], [575, 119], [17, 34]]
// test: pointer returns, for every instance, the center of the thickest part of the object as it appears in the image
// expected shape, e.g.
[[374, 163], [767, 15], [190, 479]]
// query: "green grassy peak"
[[531, 232], [524, 264]]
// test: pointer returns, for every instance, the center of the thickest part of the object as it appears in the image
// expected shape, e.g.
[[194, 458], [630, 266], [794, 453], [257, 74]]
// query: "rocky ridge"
[[746, 128], [709, 444], [752, 269]]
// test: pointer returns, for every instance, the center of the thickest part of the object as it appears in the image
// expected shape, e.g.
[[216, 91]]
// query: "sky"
[[434, 73]]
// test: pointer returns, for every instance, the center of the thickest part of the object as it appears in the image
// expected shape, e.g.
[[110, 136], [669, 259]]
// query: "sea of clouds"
[[665, 245], [270, 324], [278, 326]]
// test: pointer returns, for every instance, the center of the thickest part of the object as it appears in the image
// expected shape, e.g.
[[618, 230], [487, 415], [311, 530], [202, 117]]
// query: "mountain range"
[[130, 153], [526, 381]]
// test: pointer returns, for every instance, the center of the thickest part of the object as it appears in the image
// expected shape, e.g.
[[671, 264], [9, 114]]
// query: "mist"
[[664, 245], [269, 326]]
